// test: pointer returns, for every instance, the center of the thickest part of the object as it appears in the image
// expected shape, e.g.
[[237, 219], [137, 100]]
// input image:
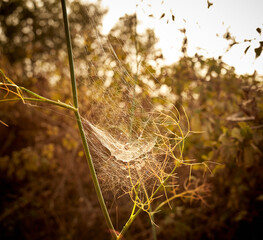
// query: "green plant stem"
[[70, 55], [153, 224], [94, 175], [80, 126], [128, 224], [132, 218], [60, 104], [171, 198], [39, 98]]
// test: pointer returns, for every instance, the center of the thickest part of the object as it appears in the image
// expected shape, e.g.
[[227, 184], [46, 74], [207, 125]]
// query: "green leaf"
[[223, 138], [236, 133], [248, 156], [245, 130]]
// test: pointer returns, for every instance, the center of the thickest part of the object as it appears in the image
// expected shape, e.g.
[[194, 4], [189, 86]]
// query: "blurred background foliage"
[[46, 191]]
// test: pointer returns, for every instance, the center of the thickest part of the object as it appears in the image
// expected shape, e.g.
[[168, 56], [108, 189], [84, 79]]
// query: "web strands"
[[124, 152], [131, 143], [120, 163], [123, 164], [130, 148]]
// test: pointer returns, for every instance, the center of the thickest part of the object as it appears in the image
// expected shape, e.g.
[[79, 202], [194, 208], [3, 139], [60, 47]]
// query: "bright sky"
[[204, 27]]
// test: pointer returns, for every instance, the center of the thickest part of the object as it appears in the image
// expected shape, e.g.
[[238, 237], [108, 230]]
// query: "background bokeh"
[[46, 190]]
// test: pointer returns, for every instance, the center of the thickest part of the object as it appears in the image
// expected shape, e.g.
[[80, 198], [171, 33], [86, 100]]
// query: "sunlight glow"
[[204, 27]]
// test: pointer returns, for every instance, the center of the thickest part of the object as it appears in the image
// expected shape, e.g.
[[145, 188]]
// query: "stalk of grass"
[[35, 97], [46, 100], [80, 126]]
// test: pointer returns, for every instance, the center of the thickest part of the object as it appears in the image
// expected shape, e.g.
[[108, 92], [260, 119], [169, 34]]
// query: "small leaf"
[[227, 36], [245, 129], [259, 49], [150, 15], [235, 133], [246, 49], [209, 4], [259, 30], [162, 15], [248, 157], [183, 30], [173, 17]]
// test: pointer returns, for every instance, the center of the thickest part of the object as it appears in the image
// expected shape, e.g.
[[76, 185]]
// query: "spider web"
[[135, 133]]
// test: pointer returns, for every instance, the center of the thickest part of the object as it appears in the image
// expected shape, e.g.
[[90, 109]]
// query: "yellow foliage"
[[48, 151]]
